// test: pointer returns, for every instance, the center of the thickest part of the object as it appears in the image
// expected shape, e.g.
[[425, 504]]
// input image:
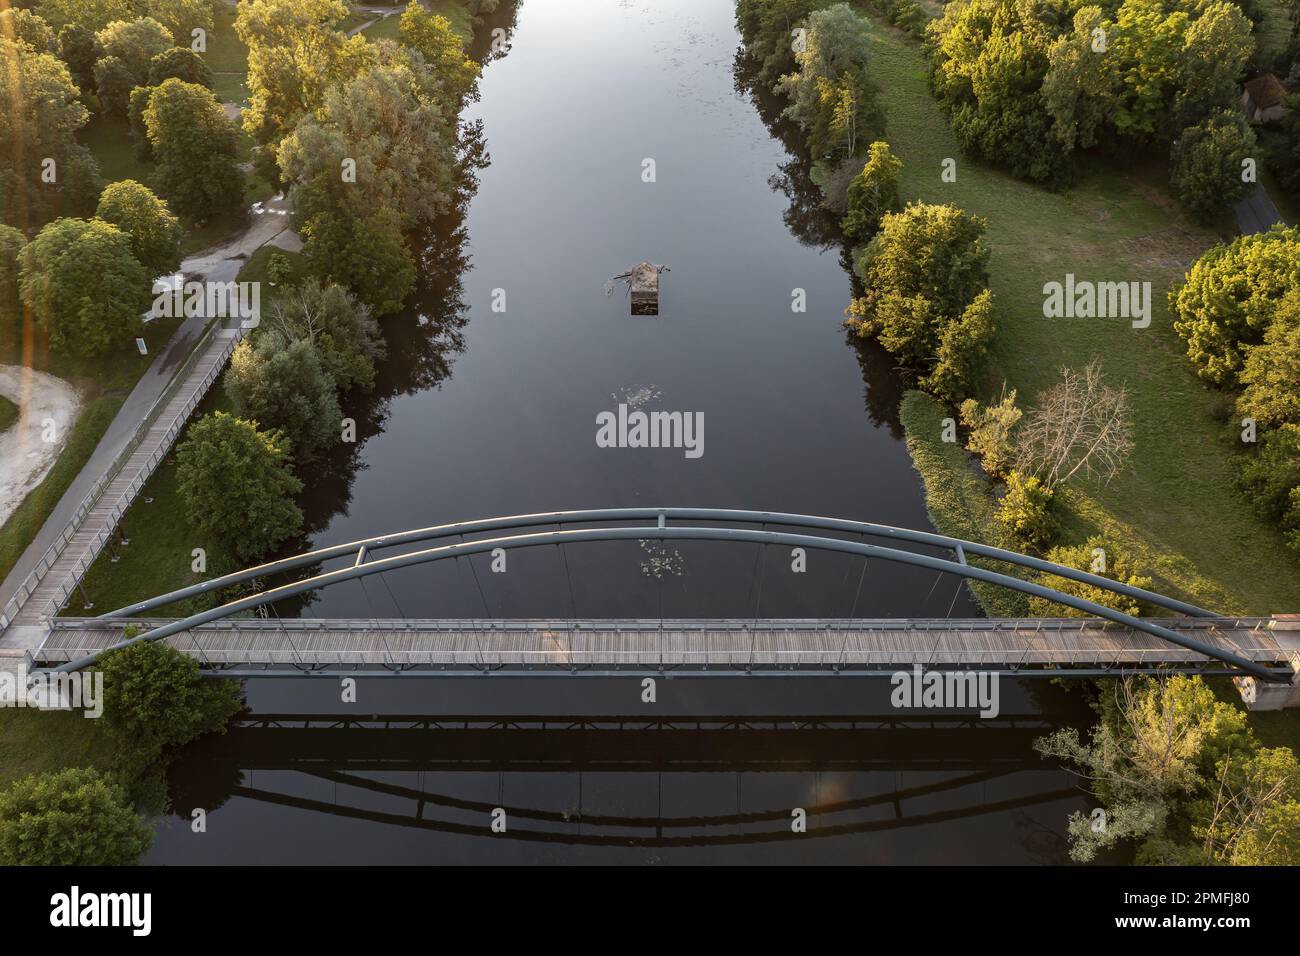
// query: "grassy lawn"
[[109, 138], [1175, 508], [255, 268], [454, 11], [35, 741], [385, 29], [160, 554], [104, 384], [8, 413], [226, 56]]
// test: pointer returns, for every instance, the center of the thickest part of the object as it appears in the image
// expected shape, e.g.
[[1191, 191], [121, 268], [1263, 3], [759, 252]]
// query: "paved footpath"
[[75, 531], [76, 545]]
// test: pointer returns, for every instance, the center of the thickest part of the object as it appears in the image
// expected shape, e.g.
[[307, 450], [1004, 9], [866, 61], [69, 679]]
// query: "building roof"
[[1266, 91]]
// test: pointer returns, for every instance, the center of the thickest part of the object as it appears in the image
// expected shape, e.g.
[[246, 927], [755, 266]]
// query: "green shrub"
[[1100, 557], [71, 817], [1026, 511], [155, 699], [990, 431]]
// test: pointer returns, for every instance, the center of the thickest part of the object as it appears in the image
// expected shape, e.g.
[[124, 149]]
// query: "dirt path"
[[24, 456]]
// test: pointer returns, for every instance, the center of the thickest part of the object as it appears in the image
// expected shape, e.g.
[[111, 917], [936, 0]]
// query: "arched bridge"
[[229, 639]]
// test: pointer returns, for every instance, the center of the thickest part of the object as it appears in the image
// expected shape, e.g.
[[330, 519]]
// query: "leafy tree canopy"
[[154, 232], [70, 817], [84, 285], [238, 484]]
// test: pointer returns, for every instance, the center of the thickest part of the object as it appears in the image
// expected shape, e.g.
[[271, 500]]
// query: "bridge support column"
[[1259, 695]]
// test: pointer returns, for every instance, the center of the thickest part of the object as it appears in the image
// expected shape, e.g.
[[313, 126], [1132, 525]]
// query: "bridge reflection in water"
[[853, 774]]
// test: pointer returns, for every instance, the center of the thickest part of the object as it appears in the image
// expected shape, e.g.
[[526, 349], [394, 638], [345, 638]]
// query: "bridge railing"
[[92, 498], [364, 563]]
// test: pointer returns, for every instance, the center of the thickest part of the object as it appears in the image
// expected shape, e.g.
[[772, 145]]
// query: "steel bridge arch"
[[365, 565]]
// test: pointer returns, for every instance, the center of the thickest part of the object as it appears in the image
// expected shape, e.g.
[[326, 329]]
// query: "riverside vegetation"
[[1121, 462]]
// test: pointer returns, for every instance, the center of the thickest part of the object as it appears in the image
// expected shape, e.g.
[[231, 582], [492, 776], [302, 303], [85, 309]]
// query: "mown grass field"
[[1175, 508], [33, 741], [385, 29], [160, 555]]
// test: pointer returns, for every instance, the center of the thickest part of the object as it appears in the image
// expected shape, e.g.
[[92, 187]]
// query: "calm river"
[[482, 412]]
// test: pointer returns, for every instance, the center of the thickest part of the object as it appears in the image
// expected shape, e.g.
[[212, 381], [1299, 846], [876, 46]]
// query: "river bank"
[[1175, 508]]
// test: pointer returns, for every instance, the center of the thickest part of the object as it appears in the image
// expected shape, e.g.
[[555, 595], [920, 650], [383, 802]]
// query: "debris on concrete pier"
[[642, 282]]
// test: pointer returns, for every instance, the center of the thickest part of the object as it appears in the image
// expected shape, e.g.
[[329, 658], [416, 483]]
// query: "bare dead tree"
[[305, 325], [1081, 426]]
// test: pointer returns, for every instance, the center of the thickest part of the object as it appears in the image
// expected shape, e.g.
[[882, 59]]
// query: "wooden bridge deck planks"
[[724, 643]]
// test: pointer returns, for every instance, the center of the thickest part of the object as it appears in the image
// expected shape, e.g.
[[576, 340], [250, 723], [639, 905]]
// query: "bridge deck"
[[762, 644]]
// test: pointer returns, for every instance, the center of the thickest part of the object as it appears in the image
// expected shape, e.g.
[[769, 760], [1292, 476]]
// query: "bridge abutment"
[[1258, 695]]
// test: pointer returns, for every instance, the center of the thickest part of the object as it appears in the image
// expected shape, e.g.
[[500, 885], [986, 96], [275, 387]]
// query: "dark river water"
[[480, 412]]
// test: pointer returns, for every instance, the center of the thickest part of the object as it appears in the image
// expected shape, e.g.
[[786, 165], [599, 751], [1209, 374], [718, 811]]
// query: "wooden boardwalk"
[[62, 567], [642, 645]]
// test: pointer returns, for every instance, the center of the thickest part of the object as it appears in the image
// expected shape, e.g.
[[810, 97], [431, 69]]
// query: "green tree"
[[344, 331], [1271, 372], [1227, 299], [367, 255], [831, 96], [154, 232], [1079, 88], [1207, 163], [128, 46], [925, 273], [91, 15], [296, 52], [11, 244], [194, 148], [179, 63], [69, 817], [1216, 48], [988, 63], [1148, 758], [872, 193], [283, 385], [238, 484], [1270, 477], [1098, 556], [388, 121], [1252, 816], [84, 285], [180, 17], [963, 343], [114, 82], [26, 27], [137, 103], [78, 48], [155, 700], [441, 47], [46, 171], [991, 431], [1026, 511], [766, 26]]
